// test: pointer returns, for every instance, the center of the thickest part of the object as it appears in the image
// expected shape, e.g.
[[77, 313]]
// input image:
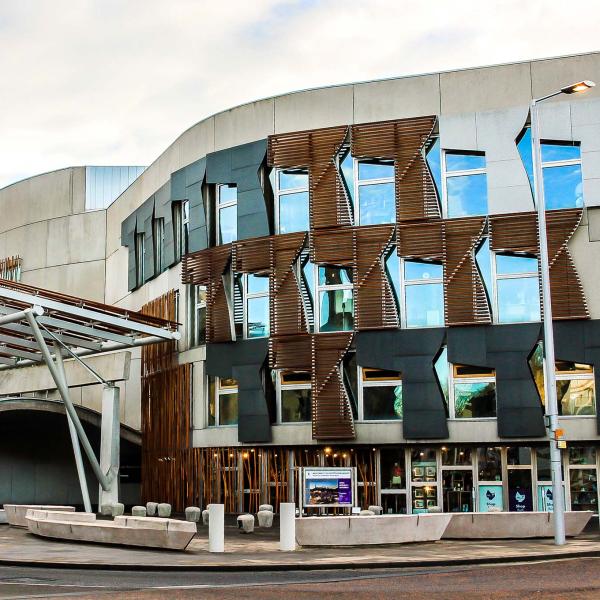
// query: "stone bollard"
[[118, 508], [287, 527], [106, 510], [246, 523], [138, 511], [216, 528], [164, 510], [265, 507], [192, 514], [265, 518], [366, 513], [205, 515], [376, 510], [151, 509], [434, 509]]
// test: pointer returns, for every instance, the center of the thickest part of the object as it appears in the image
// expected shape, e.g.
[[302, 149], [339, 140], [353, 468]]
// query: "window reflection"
[[292, 201], [376, 192], [467, 195], [517, 289], [336, 310]]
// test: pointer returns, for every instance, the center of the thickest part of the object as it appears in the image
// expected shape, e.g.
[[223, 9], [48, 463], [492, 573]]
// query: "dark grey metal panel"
[[198, 239], [178, 185], [163, 210], [579, 341], [506, 348], [412, 352], [128, 240], [244, 360], [241, 166]]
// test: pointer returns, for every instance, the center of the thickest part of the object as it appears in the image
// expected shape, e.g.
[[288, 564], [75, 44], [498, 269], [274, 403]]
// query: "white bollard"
[[287, 527], [216, 528]]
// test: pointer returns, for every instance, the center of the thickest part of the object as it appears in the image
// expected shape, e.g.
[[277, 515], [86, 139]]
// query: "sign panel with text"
[[490, 497], [328, 486]]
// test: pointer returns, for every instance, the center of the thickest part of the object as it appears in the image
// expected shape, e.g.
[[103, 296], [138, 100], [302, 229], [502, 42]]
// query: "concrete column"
[[110, 444], [287, 526], [216, 528]]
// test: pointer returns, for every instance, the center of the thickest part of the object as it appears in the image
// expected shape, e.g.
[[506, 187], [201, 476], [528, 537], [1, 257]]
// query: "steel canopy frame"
[[40, 326]]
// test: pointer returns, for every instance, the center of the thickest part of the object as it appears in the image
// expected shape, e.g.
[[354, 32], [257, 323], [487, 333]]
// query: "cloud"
[[112, 82]]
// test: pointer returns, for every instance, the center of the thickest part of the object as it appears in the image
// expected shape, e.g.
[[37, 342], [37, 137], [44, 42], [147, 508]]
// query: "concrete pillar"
[[287, 526], [216, 528], [110, 443]]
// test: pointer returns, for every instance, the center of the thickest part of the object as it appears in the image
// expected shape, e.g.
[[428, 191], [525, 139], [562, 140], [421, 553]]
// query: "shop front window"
[[583, 479], [393, 481], [292, 200], [457, 479], [490, 492], [545, 494], [381, 395], [423, 479]]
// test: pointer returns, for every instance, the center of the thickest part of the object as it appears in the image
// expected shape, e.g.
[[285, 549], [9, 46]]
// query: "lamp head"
[[580, 86]]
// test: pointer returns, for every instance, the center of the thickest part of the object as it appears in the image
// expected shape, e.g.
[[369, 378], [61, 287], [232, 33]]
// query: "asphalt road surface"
[[572, 579]]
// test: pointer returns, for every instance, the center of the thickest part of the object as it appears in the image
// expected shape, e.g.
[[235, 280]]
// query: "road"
[[572, 579]]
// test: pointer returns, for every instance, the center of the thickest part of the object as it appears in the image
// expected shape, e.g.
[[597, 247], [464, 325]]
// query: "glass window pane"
[[382, 403], [483, 258], [456, 161], [417, 271], [563, 187], [347, 171], [257, 284], [456, 456], [490, 464], [582, 455], [292, 180], [507, 264], [227, 194], [518, 300], [211, 402], [560, 151], [518, 455], [228, 224], [392, 267], [467, 195], [433, 158], [392, 468], [525, 151], [295, 406], [563, 366], [293, 212], [228, 409], [575, 397], [520, 493], [475, 400], [377, 203], [375, 170], [584, 489], [334, 276], [442, 372], [425, 305], [336, 310], [544, 469], [458, 491], [258, 317]]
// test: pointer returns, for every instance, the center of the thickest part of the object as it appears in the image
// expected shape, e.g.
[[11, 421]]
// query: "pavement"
[[260, 552]]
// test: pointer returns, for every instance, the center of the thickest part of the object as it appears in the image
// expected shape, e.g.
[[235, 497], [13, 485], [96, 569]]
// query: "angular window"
[[292, 204], [381, 395], [140, 258], [375, 190], [335, 299], [517, 297], [256, 298], [226, 214], [423, 294], [575, 387], [561, 170], [222, 402], [474, 390], [158, 237], [185, 227], [433, 157], [294, 397], [465, 182], [176, 209], [197, 315]]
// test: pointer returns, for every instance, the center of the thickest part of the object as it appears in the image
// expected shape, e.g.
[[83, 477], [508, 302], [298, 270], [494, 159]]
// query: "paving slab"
[[260, 552]]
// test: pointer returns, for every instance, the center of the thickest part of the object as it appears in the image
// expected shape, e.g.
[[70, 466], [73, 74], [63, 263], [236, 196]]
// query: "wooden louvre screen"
[[375, 305], [316, 150], [331, 410], [568, 299], [291, 352], [464, 292], [423, 241], [403, 141], [333, 247], [207, 267], [252, 256], [514, 232], [286, 307]]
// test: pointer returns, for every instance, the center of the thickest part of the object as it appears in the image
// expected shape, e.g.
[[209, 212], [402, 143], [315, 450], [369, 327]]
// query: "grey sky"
[[115, 82]]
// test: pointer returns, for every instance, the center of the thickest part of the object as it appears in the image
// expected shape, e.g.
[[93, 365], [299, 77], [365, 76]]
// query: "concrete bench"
[[15, 513], [55, 515], [3, 518], [507, 525], [358, 531], [124, 530]]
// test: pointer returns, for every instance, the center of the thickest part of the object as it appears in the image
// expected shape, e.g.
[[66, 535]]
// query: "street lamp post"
[[550, 380]]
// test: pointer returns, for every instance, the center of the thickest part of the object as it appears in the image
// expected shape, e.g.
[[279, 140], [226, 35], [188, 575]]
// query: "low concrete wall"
[[505, 525], [127, 531], [3, 518], [357, 531], [16, 513], [55, 515]]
